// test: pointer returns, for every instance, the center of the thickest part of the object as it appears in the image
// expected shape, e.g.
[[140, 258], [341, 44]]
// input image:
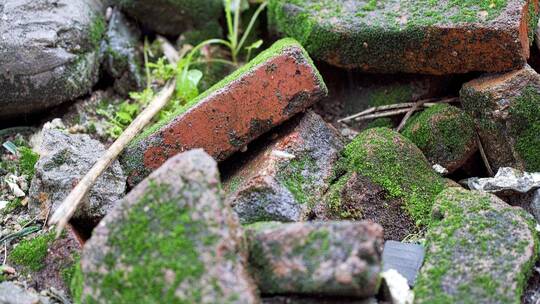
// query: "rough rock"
[[122, 59], [428, 37], [174, 17], [445, 134], [405, 258], [174, 228], [316, 258], [283, 181], [235, 111], [48, 52], [64, 160], [385, 178], [49, 262], [10, 293], [506, 109], [478, 250]]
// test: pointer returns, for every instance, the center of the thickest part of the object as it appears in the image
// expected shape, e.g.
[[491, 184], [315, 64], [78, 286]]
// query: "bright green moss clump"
[[393, 162], [444, 133], [27, 161], [525, 127], [297, 176], [32, 253]]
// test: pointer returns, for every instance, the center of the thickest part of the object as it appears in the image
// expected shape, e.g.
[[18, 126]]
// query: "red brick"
[[279, 83]]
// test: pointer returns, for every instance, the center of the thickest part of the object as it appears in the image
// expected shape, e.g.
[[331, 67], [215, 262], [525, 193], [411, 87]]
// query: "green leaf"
[[186, 85], [255, 45]]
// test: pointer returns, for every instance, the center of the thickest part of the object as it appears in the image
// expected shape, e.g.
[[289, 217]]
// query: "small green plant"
[[31, 253]]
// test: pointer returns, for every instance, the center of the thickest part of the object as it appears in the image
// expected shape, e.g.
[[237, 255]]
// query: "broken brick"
[[277, 84]]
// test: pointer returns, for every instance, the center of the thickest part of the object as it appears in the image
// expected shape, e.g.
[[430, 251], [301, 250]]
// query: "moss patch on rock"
[[444, 133], [525, 128], [31, 253], [478, 247], [397, 165]]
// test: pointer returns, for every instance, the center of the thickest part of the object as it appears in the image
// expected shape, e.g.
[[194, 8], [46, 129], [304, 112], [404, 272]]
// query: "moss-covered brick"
[[478, 250], [393, 162], [322, 258], [445, 134], [505, 108], [180, 234], [212, 120], [419, 36]]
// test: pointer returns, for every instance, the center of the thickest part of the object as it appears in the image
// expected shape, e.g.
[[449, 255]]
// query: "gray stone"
[[64, 160], [478, 250], [174, 17], [172, 239], [284, 180], [10, 293], [48, 52], [122, 59], [405, 258], [316, 258], [316, 300]]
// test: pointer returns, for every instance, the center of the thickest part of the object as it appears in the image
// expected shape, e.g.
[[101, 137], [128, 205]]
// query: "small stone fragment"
[[506, 109], [122, 60], [478, 250], [283, 181], [316, 258], [384, 178], [10, 293], [49, 53], [65, 159], [170, 240], [174, 17], [445, 134], [235, 111], [405, 258], [411, 36]]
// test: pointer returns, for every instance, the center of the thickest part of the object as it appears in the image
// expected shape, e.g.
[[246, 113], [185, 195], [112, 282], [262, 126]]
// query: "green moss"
[[442, 132], [32, 253], [146, 255], [276, 49], [27, 161], [12, 206], [525, 127], [393, 162], [297, 176], [70, 271], [466, 225], [383, 122], [77, 283], [97, 31]]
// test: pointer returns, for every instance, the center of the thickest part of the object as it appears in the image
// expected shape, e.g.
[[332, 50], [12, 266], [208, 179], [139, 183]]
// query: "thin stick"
[[408, 115], [427, 103], [68, 207], [484, 156], [383, 114]]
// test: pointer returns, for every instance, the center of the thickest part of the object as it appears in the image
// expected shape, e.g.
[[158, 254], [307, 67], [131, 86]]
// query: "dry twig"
[[484, 157]]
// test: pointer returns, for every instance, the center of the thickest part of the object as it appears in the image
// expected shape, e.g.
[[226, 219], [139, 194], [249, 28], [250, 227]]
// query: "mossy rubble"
[[479, 250], [181, 235], [393, 162], [445, 134], [357, 33], [311, 257]]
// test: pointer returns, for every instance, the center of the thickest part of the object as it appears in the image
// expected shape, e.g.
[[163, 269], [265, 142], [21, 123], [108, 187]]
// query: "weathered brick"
[[416, 36], [284, 180], [316, 258], [506, 109], [274, 86]]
